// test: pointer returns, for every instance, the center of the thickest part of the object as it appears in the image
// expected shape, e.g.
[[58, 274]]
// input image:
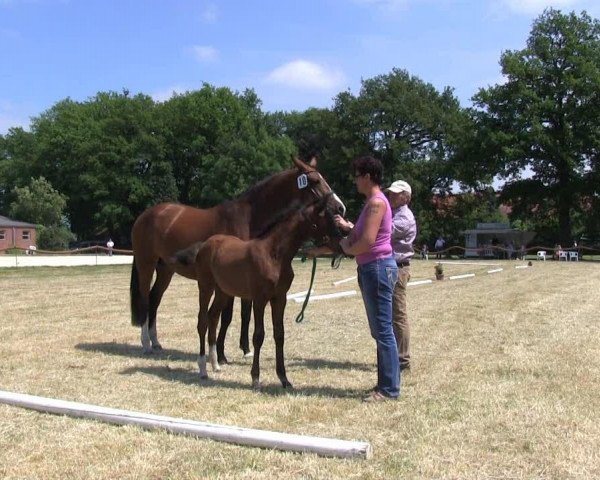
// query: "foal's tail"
[[139, 309], [188, 255]]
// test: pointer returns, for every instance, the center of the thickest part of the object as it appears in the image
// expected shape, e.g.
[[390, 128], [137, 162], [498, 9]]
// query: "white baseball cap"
[[400, 186]]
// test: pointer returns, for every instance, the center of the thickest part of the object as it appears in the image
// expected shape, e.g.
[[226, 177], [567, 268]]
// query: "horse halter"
[[303, 182]]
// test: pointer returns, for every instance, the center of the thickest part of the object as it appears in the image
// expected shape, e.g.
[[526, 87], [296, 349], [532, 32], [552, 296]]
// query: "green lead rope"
[[300, 316]]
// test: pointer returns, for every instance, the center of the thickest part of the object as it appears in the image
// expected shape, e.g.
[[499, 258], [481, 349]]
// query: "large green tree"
[[40, 203], [218, 144], [546, 117], [415, 130], [106, 156]]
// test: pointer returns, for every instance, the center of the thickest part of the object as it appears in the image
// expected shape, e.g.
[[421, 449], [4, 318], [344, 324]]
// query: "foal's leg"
[[226, 316], [257, 340], [163, 278], [244, 331], [277, 310], [220, 301], [204, 300]]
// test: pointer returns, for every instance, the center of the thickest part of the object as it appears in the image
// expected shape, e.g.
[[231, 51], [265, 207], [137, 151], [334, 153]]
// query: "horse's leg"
[[277, 310], [244, 331], [204, 299], [216, 309], [142, 271], [257, 341], [163, 278], [226, 316]]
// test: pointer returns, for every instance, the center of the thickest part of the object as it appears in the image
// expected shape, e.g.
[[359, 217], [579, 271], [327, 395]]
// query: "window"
[[2, 235], [25, 235]]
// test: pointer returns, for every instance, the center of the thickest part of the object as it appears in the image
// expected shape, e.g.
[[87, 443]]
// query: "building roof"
[[7, 222]]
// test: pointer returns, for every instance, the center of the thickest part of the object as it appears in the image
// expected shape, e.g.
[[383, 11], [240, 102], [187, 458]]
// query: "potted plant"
[[439, 271]]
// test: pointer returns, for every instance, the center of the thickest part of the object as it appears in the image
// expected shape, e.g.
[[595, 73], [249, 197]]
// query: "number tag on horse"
[[302, 181]]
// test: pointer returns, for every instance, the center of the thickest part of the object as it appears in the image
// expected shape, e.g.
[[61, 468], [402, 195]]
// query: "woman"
[[369, 241]]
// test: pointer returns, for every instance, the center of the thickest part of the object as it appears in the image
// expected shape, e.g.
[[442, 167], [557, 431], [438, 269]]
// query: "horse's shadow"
[[189, 377], [135, 351]]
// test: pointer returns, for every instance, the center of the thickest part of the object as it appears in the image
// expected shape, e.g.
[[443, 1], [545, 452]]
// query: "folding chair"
[[541, 255]]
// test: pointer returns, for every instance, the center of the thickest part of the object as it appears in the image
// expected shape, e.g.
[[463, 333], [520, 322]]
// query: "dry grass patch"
[[505, 381]]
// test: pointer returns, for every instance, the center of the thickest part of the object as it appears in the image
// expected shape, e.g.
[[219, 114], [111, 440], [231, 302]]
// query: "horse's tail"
[[139, 312]]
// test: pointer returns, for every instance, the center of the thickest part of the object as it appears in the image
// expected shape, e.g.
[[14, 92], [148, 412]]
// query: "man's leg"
[[400, 317]]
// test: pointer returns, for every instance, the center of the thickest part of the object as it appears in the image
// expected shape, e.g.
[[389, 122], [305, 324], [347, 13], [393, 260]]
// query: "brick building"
[[14, 234]]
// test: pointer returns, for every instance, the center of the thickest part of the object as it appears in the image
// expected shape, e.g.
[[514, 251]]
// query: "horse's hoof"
[[148, 351], [249, 354], [287, 385], [256, 385], [203, 376], [223, 360], [157, 346]]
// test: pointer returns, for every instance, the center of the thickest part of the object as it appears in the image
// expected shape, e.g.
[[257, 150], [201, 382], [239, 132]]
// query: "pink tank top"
[[382, 248]]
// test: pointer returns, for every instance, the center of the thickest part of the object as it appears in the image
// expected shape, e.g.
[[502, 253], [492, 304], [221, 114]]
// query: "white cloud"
[[166, 93], [210, 13], [303, 74], [534, 7], [204, 53]]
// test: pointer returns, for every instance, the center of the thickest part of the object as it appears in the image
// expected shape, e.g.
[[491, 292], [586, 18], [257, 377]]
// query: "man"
[[110, 244], [404, 231], [439, 246]]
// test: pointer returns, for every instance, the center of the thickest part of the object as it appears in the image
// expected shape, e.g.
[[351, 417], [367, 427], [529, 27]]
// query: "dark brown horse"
[[166, 228], [259, 270]]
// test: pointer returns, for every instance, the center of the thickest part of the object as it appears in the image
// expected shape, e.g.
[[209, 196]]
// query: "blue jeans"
[[376, 281]]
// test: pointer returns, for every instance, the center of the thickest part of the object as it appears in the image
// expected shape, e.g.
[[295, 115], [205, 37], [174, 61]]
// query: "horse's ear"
[[304, 167]]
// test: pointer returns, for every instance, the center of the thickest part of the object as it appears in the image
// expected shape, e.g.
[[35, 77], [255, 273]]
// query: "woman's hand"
[[342, 223]]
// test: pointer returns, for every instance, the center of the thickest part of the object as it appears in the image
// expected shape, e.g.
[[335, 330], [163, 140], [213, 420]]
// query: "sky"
[[294, 54]]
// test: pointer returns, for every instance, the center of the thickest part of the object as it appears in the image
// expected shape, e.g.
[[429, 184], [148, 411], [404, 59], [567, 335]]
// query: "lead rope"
[[300, 316]]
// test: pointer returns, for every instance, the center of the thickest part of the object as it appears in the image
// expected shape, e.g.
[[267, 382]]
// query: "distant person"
[[510, 250], [110, 244], [425, 252], [404, 231], [557, 251], [439, 246], [523, 252]]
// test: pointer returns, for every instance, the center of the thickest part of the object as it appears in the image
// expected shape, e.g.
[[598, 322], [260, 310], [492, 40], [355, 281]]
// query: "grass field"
[[505, 380]]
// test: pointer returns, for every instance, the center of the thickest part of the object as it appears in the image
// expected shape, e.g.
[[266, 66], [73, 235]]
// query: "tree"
[[107, 156], [218, 143], [39, 203], [546, 117], [413, 128]]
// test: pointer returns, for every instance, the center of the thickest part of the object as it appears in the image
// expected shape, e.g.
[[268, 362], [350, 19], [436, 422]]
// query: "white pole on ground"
[[522, 266], [348, 293], [329, 447], [349, 279], [300, 294], [457, 277], [472, 263], [495, 270], [418, 282]]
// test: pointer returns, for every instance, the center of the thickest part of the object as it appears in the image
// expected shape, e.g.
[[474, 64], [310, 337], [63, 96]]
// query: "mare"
[[259, 270], [164, 229]]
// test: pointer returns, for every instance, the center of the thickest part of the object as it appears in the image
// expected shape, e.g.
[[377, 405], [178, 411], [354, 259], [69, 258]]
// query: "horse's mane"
[[259, 186], [281, 216]]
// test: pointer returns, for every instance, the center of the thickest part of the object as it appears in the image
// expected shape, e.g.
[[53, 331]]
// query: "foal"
[[259, 270]]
